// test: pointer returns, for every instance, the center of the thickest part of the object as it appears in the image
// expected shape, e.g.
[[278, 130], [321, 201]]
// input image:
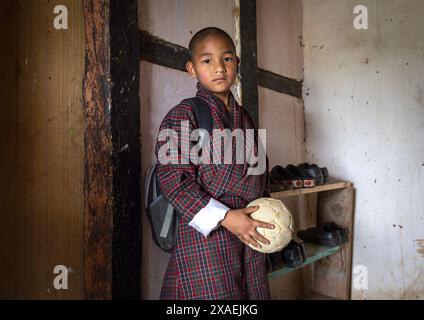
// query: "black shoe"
[[278, 185], [289, 181], [313, 171], [307, 180], [293, 255], [275, 261], [325, 174], [332, 226], [322, 234]]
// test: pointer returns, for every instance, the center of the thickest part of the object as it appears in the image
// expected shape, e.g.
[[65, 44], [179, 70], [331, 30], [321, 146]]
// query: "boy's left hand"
[[240, 223]]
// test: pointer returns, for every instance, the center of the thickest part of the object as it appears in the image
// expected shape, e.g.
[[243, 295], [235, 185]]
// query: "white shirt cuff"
[[208, 218]]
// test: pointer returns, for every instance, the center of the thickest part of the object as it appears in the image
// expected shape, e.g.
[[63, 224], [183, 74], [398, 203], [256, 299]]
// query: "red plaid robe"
[[219, 266]]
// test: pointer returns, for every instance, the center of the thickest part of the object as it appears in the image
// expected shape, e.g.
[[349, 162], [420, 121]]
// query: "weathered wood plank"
[[126, 157], [161, 52], [112, 248], [98, 182], [41, 162], [272, 81]]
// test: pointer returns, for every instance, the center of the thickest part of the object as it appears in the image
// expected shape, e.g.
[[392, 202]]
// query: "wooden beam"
[[112, 191], [163, 53], [126, 156], [167, 54], [249, 65], [279, 83]]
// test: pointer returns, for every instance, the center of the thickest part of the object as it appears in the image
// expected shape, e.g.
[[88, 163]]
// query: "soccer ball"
[[273, 211]]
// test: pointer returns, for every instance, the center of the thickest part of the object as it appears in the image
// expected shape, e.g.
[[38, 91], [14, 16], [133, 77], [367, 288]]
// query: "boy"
[[211, 259]]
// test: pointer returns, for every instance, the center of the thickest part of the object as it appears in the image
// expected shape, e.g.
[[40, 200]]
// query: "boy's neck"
[[224, 97]]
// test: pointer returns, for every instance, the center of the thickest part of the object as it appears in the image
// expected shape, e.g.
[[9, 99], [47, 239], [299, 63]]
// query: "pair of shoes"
[[304, 175], [328, 234], [292, 256]]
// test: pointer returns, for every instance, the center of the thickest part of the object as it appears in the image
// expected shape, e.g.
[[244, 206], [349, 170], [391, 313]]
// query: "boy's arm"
[[177, 180]]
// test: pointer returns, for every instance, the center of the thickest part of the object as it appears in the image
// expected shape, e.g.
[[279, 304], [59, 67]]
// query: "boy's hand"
[[244, 227]]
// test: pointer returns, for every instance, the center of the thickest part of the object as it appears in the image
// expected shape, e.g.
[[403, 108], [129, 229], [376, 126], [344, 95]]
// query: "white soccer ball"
[[273, 211]]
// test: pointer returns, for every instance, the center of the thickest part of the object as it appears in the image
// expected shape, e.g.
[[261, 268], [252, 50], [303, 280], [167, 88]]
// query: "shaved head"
[[205, 33]]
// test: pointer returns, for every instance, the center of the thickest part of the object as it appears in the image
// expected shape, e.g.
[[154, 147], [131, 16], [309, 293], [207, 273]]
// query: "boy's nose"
[[220, 67]]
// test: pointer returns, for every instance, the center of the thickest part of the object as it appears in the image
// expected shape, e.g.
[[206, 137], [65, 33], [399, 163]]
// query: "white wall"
[[364, 111]]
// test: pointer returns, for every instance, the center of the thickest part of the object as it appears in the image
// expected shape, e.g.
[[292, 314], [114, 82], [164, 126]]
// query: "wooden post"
[[249, 64], [112, 191]]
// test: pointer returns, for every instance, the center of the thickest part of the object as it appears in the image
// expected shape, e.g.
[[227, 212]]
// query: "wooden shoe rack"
[[327, 271]]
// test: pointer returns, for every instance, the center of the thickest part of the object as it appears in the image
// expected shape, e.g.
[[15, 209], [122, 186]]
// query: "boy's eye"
[[206, 61], [228, 59]]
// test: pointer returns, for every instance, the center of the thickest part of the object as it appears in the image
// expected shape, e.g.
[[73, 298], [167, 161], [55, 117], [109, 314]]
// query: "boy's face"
[[214, 64]]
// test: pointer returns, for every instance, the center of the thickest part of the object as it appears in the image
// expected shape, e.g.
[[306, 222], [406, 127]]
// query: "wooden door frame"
[[112, 178], [112, 175]]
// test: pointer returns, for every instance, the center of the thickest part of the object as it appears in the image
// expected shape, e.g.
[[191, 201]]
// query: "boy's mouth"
[[219, 79]]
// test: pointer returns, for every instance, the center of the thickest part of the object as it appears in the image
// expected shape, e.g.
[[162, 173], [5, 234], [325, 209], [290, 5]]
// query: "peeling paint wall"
[[280, 51], [281, 115], [364, 111], [280, 36]]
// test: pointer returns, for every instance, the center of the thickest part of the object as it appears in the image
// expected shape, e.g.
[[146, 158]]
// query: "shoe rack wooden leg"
[[308, 219], [333, 273]]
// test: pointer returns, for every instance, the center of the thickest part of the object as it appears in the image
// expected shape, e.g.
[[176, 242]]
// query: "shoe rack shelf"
[[313, 253], [328, 269], [332, 185]]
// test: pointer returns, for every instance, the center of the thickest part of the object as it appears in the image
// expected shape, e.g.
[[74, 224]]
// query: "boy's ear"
[[190, 69]]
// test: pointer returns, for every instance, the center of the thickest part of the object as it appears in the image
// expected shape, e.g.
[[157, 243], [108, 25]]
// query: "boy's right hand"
[[239, 223]]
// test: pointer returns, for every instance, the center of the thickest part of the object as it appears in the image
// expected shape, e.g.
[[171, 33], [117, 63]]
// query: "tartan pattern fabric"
[[219, 266]]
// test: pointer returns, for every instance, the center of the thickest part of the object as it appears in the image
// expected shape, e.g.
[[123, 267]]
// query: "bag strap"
[[166, 227], [202, 113], [204, 120]]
